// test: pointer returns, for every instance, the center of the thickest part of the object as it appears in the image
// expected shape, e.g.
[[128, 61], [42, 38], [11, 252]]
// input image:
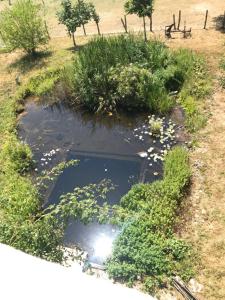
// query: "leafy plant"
[[155, 126], [147, 249], [124, 71], [22, 27], [19, 155]]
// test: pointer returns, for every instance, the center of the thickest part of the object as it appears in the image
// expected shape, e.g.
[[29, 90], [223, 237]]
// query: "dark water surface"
[[106, 147]]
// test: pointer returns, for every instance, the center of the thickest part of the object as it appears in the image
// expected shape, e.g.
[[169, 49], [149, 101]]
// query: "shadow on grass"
[[29, 62], [219, 22], [75, 49]]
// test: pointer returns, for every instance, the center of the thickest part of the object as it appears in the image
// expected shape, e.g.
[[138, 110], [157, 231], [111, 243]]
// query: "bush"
[[139, 253], [19, 155], [138, 88], [124, 71], [147, 249], [22, 27]]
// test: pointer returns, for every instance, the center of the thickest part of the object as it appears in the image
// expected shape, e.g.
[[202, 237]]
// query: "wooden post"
[[179, 20], [206, 18], [184, 32], [10, 2], [144, 25], [124, 22], [150, 19], [224, 20], [174, 21], [125, 19]]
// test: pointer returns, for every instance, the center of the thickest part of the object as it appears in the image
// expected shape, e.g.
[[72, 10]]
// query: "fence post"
[[174, 21], [124, 23], [125, 19], [150, 18], [206, 18], [224, 20], [179, 20]]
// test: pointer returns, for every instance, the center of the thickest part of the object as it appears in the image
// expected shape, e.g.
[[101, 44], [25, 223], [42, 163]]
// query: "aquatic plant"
[[155, 126], [124, 71]]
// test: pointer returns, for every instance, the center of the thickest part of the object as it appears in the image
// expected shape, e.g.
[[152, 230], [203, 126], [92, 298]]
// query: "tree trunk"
[[145, 34], [74, 41], [97, 24], [84, 29]]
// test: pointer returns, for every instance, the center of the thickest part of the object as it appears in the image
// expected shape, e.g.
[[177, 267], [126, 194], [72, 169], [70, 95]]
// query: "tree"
[[22, 27], [142, 8], [74, 16], [95, 16]]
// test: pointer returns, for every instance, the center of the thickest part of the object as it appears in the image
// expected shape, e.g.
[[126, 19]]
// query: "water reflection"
[[106, 148]]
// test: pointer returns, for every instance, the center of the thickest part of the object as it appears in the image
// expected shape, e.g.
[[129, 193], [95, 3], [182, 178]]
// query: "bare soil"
[[111, 11]]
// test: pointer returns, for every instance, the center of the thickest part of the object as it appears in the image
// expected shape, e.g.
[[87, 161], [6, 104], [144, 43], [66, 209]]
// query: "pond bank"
[[106, 147]]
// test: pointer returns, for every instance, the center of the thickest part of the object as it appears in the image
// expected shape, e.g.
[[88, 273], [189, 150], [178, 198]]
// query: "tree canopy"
[[75, 16], [142, 8]]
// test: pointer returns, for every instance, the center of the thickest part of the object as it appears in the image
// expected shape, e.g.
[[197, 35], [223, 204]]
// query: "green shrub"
[[19, 155], [139, 252], [138, 88], [22, 27], [147, 249], [124, 71]]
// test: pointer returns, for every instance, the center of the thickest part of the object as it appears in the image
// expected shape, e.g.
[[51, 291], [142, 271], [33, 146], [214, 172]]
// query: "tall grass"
[[124, 71]]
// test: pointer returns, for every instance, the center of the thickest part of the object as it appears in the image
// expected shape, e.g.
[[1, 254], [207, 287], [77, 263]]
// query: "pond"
[[116, 147]]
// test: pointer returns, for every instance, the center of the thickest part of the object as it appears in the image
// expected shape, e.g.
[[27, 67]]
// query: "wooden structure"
[[172, 29]]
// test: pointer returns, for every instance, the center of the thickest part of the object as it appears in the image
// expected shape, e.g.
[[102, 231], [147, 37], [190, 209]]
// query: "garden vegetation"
[[126, 72], [108, 74]]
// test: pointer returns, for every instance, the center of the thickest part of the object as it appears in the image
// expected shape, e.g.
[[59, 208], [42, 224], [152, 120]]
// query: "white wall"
[[24, 277]]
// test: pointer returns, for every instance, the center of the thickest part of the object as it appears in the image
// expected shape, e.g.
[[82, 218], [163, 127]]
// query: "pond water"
[[111, 147]]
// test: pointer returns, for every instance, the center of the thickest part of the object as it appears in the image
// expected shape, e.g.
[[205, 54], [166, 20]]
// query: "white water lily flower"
[[142, 154]]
